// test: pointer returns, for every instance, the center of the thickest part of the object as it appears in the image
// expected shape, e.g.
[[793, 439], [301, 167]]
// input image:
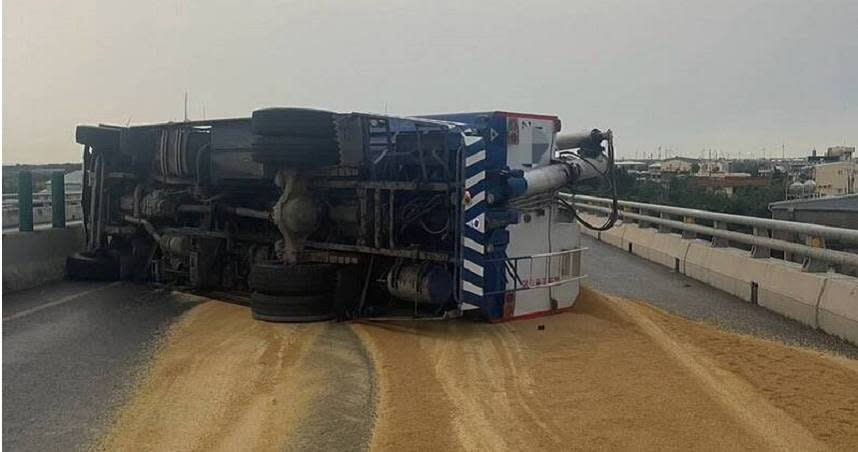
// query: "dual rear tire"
[[294, 293]]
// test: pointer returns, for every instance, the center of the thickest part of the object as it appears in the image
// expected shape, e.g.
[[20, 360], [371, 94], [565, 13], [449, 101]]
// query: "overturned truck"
[[315, 214]]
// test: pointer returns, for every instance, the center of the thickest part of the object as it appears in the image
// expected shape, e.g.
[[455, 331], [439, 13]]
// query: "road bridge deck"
[[111, 365]]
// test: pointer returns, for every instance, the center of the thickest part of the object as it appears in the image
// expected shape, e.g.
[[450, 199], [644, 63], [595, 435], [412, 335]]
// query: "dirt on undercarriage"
[[610, 374]]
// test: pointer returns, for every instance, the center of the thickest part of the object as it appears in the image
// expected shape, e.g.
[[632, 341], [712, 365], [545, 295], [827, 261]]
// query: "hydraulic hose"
[[610, 177]]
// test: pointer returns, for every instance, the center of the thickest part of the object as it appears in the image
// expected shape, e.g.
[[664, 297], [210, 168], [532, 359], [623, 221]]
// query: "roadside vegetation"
[[682, 191]]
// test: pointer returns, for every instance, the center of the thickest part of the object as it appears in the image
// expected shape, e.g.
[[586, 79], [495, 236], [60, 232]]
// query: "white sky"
[[685, 75]]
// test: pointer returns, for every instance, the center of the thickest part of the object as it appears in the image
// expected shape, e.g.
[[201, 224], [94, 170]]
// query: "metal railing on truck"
[[762, 235]]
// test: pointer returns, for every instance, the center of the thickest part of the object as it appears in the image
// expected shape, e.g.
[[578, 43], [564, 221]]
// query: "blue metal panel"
[[485, 158]]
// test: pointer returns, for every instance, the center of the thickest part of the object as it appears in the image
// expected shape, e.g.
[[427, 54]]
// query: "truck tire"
[[272, 277], [101, 138], [305, 152], [299, 122], [90, 266], [290, 308]]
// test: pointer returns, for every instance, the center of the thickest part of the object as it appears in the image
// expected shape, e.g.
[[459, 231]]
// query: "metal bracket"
[[663, 229], [690, 235], [760, 252], [720, 242], [811, 265]]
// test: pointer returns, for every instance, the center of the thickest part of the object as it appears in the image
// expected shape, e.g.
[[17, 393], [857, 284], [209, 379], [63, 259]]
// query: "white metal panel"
[[535, 139], [526, 239], [566, 236], [543, 235]]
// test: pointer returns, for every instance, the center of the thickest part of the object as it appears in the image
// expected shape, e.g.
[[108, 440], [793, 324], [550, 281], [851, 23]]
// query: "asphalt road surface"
[[123, 366], [71, 351]]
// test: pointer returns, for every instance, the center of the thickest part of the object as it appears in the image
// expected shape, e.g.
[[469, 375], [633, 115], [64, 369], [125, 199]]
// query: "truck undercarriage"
[[318, 214]]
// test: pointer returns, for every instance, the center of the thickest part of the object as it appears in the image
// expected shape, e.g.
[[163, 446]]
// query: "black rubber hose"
[[611, 178]]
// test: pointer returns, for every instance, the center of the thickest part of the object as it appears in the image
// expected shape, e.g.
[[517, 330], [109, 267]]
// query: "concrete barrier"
[[641, 240], [785, 289], [33, 258], [821, 300], [838, 307], [613, 236]]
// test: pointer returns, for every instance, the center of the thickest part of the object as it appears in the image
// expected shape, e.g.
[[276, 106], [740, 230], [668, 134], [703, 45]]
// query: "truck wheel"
[[301, 122], [306, 152], [90, 266], [101, 138], [290, 308], [273, 277]]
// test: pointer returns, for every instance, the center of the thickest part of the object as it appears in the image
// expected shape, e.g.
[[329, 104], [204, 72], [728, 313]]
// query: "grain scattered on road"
[[610, 374]]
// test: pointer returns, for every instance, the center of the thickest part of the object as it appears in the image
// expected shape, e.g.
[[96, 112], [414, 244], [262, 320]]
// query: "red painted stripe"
[[534, 315], [527, 115]]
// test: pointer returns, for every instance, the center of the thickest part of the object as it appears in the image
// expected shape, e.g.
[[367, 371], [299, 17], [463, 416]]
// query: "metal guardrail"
[[12, 198], [817, 258], [25, 202]]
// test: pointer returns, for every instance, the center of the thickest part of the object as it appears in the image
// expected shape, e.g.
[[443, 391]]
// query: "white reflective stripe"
[[476, 158], [472, 244], [476, 199], [469, 140], [474, 268], [472, 288], [468, 307], [475, 179]]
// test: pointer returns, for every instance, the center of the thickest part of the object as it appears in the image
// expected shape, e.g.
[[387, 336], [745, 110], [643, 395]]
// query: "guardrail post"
[[760, 252], [25, 201], [643, 224], [58, 199], [811, 265], [662, 229], [720, 242], [690, 235]]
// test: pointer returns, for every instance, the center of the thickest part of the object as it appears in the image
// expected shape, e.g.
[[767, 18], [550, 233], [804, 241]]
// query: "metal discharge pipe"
[[591, 139], [588, 163], [548, 178], [571, 170]]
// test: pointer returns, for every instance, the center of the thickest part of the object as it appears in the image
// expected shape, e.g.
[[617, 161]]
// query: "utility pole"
[[186, 106]]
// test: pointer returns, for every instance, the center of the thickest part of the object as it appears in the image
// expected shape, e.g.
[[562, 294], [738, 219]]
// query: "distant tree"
[[626, 182], [695, 168]]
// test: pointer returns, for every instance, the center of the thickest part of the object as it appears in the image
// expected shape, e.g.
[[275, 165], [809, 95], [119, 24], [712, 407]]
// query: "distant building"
[[837, 211], [841, 152], [836, 178], [632, 165], [833, 154], [714, 167], [728, 183], [677, 165]]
